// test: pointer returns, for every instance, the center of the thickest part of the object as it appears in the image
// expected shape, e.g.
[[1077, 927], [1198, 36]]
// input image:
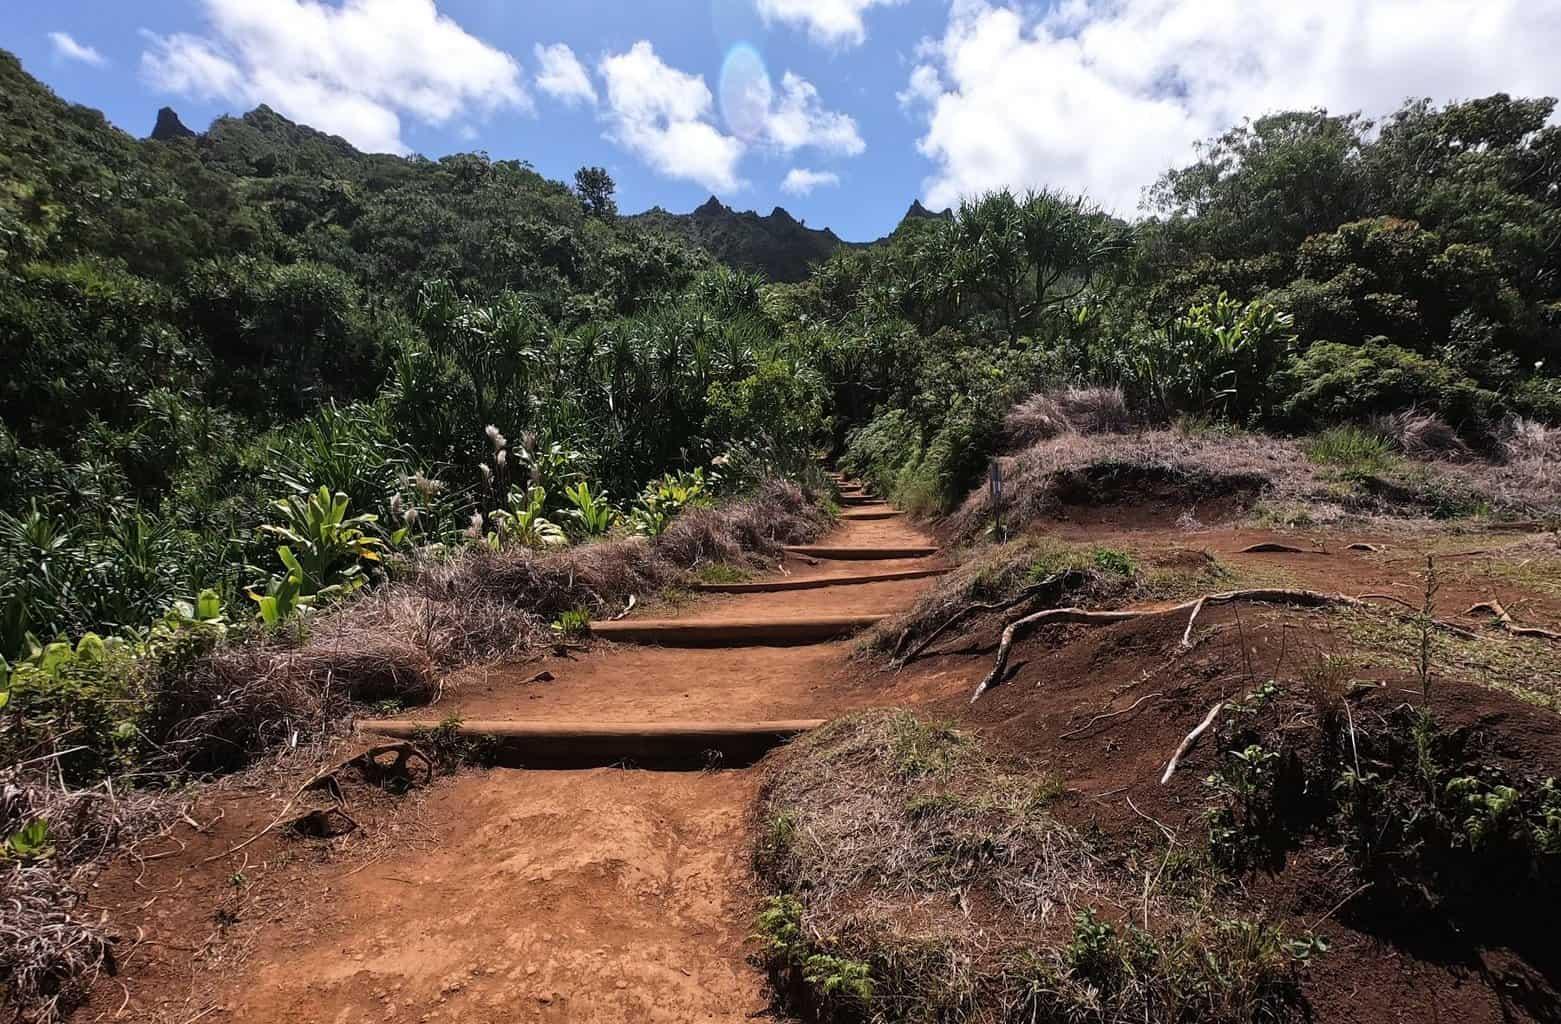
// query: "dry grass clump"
[[1194, 465], [917, 876], [1070, 410], [1072, 467], [392, 645], [1528, 476], [49, 956], [1421, 435], [997, 574], [49, 953]]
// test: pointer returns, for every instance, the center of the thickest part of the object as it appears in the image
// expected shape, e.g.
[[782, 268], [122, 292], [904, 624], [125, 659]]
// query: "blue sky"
[[840, 110]]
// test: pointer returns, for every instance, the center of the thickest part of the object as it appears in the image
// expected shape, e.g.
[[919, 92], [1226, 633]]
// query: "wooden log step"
[[858, 554], [583, 744], [860, 514], [819, 582], [733, 632], [861, 499]]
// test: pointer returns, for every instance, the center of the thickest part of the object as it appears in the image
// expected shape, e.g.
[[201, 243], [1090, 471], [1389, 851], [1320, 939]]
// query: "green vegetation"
[[205, 331], [885, 829], [1426, 280]]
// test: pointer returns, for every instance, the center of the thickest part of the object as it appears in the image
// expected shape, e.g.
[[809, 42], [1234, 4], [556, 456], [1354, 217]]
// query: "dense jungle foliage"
[[201, 333], [1306, 270], [197, 329]]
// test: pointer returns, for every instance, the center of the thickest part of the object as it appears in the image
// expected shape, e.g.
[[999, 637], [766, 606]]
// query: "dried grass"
[[1071, 410], [49, 954], [49, 957], [1421, 435], [916, 852], [393, 644], [1036, 480], [993, 574], [1196, 465]]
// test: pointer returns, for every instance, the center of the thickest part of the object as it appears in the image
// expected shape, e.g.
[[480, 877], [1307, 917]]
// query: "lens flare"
[[745, 91]]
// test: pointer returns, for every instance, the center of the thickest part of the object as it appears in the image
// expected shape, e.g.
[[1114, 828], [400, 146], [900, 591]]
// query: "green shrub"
[[80, 702], [1332, 383]]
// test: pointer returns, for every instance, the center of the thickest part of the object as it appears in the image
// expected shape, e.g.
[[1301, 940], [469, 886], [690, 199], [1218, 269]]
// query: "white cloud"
[[799, 181], [561, 75], [798, 119], [663, 115], [352, 69], [1103, 95], [65, 45], [831, 22]]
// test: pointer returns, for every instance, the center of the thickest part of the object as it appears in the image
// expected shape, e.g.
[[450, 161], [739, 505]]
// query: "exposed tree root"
[[1021, 626], [1109, 715], [1192, 738], [1361, 545], [1270, 547], [1052, 585], [1493, 607], [366, 762]]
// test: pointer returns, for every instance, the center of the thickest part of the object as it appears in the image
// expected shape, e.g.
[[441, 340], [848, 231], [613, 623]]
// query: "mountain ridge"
[[778, 245]]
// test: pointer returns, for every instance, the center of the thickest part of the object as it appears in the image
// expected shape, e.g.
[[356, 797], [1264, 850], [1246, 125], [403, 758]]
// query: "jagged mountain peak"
[[169, 127]]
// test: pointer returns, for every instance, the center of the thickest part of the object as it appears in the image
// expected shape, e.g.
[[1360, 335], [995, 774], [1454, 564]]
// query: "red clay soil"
[[613, 895], [606, 895], [1063, 677]]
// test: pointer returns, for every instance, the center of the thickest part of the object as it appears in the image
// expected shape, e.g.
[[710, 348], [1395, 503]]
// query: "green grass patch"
[[721, 572], [1526, 668], [1352, 451]]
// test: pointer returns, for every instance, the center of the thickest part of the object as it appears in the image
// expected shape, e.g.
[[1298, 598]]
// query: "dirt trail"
[[604, 895]]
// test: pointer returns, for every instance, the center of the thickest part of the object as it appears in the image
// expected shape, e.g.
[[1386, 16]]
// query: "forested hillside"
[[197, 328], [200, 326], [289, 432], [1308, 270]]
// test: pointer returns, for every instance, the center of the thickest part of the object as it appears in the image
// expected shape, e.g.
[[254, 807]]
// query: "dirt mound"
[[1104, 707]]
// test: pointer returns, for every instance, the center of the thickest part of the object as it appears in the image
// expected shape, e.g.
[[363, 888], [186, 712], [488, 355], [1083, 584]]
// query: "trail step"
[[819, 582], [581, 744], [861, 514], [859, 554], [861, 499], [733, 632]]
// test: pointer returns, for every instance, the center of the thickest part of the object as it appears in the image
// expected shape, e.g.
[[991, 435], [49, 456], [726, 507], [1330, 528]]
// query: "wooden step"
[[819, 582], [733, 632], [866, 514], [861, 499], [583, 744], [859, 554]]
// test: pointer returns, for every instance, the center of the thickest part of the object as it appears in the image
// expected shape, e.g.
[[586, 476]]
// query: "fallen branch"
[[1056, 581], [1504, 620], [1192, 738]]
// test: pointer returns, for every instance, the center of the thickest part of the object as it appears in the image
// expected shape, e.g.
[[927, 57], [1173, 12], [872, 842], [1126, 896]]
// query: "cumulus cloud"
[[1104, 95], [797, 118], [561, 75], [668, 117], [65, 45], [663, 115], [352, 69], [831, 22], [799, 181]]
